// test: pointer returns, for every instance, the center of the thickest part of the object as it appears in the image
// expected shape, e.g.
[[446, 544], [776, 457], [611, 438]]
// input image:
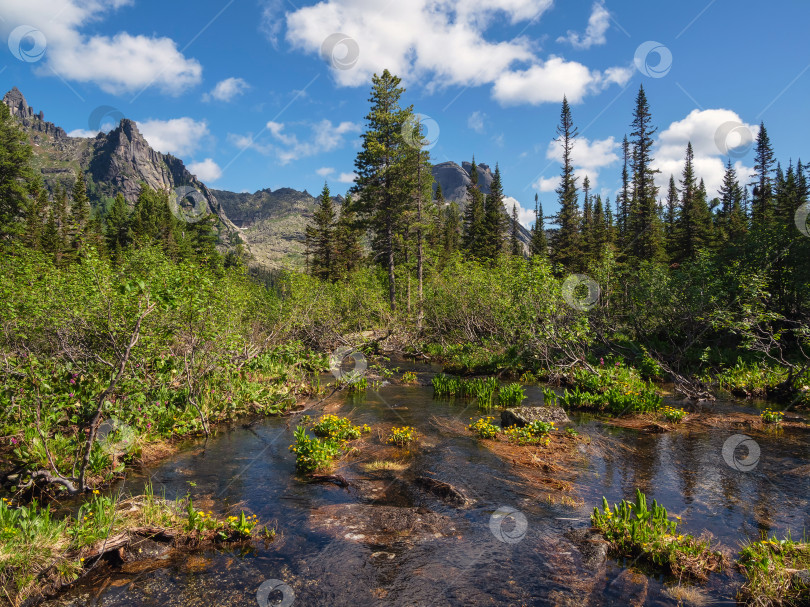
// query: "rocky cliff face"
[[119, 161], [454, 180], [113, 162], [273, 222], [34, 123]]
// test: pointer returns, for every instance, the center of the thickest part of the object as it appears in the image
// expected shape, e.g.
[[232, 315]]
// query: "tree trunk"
[[419, 251], [389, 235]]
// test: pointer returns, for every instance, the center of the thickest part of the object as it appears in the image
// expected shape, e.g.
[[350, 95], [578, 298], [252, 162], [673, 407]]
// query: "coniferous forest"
[[131, 335]]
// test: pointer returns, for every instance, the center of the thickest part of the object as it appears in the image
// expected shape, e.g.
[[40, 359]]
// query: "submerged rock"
[[444, 491], [631, 586], [381, 525], [520, 416], [591, 545]]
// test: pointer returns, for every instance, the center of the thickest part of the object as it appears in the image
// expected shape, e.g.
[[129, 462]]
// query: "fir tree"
[[566, 246], [16, 175], [599, 231], [694, 221], [382, 203], [451, 235], [494, 219], [117, 234], [323, 237], [79, 214], [514, 240], [539, 244], [475, 217], [586, 235], [348, 248], [671, 220], [763, 183], [623, 200], [644, 222]]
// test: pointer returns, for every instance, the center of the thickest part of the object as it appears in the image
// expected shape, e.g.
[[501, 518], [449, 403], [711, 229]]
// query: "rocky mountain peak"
[[19, 108]]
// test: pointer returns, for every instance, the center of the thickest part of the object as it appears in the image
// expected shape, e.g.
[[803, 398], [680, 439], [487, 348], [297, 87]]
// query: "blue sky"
[[265, 93]]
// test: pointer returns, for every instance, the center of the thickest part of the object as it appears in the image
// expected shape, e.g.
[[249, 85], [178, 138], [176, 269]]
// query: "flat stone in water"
[[381, 525], [520, 416]]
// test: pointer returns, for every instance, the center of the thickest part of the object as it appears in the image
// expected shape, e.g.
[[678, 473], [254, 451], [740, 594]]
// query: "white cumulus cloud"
[[701, 128], [525, 215], [442, 43], [119, 63], [207, 170], [598, 24], [323, 136], [178, 136], [227, 90], [347, 177], [325, 171]]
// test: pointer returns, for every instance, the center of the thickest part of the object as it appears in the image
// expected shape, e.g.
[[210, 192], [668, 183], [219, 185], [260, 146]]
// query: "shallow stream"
[[338, 546]]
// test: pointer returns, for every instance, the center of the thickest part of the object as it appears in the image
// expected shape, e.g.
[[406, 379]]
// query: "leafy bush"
[[313, 454], [771, 417], [672, 414], [401, 437], [615, 389], [338, 428], [511, 395], [636, 531], [484, 428]]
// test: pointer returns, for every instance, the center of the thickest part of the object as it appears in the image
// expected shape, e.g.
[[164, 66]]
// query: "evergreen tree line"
[[394, 209]]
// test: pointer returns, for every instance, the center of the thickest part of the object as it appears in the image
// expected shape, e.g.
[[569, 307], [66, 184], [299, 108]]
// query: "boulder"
[[444, 491], [520, 416]]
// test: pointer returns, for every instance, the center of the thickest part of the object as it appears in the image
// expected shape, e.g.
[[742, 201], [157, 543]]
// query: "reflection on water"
[[426, 552]]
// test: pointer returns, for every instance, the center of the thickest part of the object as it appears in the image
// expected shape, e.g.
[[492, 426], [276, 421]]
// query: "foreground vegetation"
[[647, 533], [40, 552], [777, 572]]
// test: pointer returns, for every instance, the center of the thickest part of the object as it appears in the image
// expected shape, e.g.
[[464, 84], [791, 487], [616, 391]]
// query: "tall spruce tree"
[[586, 233], [16, 175], [451, 231], [623, 199], [475, 217], [671, 220], [515, 247], [566, 249], [79, 214], [761, 201], [539, 243], [379, 165], [117, 234], [494, 218], [644, 222], [694, 221], [731, 217], [600, 230], [322, 235], [348, 246]]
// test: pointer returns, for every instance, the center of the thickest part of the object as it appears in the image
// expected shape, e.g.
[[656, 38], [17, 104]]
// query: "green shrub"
[[484, 428], [769, 566], [511, 395], [401, 437], [313, 454], [636, 531]]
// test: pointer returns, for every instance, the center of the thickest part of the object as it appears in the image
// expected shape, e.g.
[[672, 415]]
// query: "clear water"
[[467, 565]]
